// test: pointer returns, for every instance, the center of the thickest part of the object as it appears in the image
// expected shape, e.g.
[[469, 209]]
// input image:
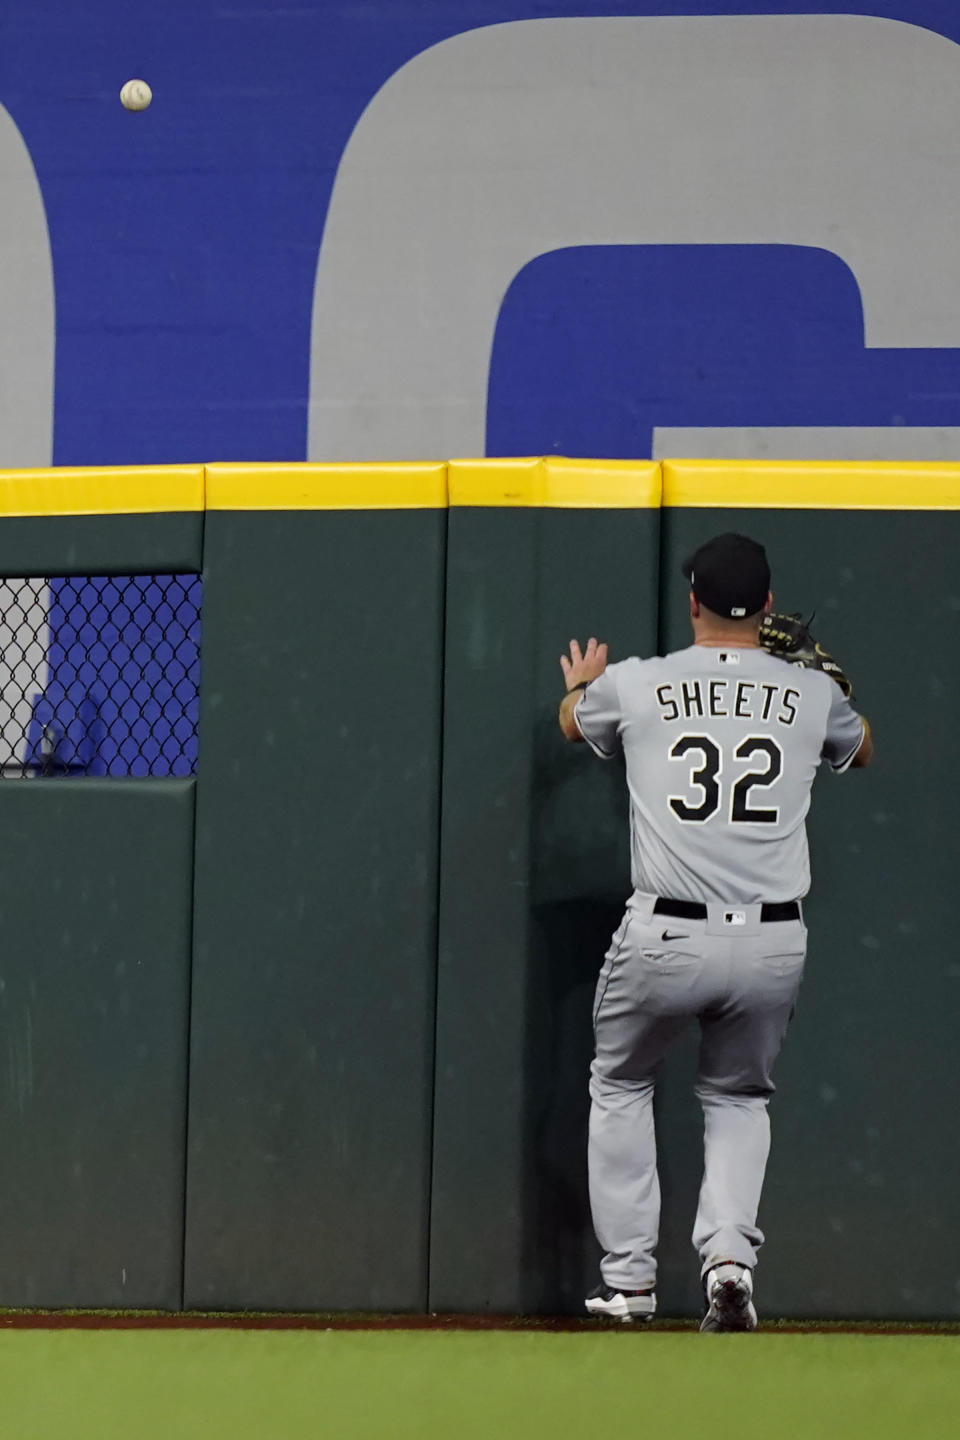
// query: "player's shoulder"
[[822, 699], [629, 665], [808, 679], [634, 669], [635, 679]]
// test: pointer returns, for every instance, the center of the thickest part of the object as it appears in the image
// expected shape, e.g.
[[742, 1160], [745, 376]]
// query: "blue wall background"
[[185, 245]]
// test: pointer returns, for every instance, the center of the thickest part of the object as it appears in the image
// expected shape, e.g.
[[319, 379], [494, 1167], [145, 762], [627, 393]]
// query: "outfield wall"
[[311, 1030]]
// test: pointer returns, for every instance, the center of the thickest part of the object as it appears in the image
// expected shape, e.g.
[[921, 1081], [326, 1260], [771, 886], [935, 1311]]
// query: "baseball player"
[[722, 741]]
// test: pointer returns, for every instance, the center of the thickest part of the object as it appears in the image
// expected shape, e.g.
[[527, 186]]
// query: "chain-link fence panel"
[[100, 675]]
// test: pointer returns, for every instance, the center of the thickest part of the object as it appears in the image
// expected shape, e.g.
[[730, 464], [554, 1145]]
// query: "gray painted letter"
[[504, 143]]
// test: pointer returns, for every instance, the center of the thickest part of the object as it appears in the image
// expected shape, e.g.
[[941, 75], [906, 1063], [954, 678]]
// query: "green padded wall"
[[863, 1186], [534, 876], [332, 1163], [162, 544], [94, 976], [314, 967], [96, 910]]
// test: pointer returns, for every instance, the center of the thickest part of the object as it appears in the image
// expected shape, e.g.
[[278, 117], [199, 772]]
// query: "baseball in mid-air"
[[136, 95]]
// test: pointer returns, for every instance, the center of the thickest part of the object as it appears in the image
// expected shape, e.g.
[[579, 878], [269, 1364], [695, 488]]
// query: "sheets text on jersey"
[[716, 699]]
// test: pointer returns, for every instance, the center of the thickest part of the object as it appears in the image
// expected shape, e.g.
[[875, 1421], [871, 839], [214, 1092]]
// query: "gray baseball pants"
[[739, 979]]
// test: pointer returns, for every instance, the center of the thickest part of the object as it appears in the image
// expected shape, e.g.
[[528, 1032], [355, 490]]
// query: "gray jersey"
[[721, 747]]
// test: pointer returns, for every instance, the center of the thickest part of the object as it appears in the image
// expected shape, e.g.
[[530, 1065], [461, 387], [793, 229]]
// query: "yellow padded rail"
[[811, 485], [555, 481], [110, 490], [551, 481], [378, 486]]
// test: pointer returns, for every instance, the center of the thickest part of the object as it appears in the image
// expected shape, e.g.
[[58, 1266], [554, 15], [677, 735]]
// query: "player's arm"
[[568, 704], [579, 668], [865, 753], [591, 708], [848, 742]]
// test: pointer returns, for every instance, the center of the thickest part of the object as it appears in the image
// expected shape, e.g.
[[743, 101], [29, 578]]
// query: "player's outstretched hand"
[[579, 665]]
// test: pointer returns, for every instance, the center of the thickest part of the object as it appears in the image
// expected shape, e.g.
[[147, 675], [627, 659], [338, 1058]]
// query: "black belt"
[[694, 910]]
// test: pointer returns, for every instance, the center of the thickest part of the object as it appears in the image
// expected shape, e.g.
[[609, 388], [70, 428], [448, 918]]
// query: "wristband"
[[582, 686]]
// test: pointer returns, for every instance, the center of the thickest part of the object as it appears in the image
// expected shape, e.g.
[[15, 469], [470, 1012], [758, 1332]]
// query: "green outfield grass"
[[389, 1385]]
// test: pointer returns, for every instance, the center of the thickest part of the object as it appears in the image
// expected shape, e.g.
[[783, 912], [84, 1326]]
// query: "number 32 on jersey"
[[705, 758]]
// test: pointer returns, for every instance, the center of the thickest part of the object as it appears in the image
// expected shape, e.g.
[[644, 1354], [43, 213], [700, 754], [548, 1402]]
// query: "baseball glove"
[[788, 638]]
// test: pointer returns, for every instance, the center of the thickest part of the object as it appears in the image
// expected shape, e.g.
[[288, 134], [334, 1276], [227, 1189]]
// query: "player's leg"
[[624, 1187], [741, 1038], [646, 995]]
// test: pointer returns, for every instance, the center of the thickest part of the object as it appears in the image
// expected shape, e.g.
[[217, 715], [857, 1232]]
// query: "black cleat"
[[728, 1289]]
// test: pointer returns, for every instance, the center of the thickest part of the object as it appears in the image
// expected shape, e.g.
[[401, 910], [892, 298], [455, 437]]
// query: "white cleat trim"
[[623, 1307]]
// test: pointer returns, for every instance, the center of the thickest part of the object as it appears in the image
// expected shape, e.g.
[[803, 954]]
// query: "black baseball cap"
[[730, 575]]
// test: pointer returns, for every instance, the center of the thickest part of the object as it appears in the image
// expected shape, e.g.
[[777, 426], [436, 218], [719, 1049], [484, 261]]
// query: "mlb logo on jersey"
[[729, 657], [734, 917]]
